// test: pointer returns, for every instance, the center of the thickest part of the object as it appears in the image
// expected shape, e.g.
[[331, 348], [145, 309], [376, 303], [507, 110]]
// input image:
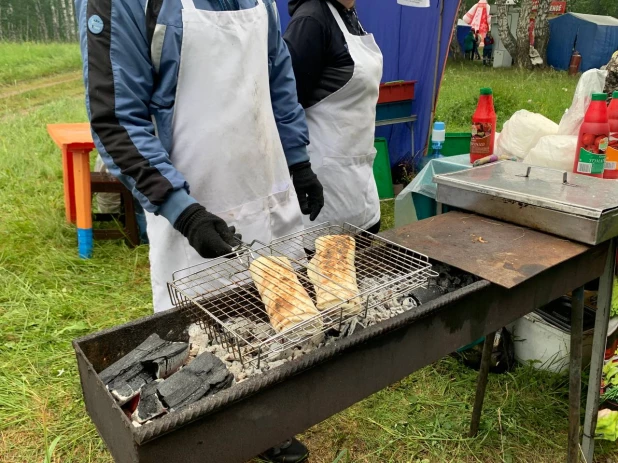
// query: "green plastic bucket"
[[455, 143], [382, 170]]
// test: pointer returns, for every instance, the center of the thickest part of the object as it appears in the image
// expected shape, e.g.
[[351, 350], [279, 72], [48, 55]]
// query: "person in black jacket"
[[338, 69]]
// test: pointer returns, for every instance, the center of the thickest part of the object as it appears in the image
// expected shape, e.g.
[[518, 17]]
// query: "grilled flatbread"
[[287, 303], [333, 273]]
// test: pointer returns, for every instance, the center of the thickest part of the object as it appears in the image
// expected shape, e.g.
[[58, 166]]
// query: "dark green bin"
[[382, 170]]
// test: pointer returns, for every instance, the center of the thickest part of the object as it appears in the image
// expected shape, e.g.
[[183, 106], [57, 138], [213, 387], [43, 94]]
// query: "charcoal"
[[133, 358], [425, 295], [151, 359], [165, 360], [150, 405], [204, 376], [126, 387]]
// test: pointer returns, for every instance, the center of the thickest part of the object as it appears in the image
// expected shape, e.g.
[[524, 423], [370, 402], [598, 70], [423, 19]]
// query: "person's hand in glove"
[[308, 188], [208, 234]]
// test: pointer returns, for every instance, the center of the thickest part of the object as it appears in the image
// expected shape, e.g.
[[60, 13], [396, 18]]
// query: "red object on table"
[[391, 92], [611, 159], [75, 141], [483, 127], [593, 139]]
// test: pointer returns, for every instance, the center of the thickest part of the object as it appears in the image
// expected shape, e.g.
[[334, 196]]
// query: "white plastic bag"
[[592, 81], [522, 131], [107, 203], [554, 151]]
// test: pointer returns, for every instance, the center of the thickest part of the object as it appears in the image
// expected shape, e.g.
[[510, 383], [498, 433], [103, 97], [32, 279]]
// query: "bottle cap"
[[440, 125], [486, 91], [615, 94], [599, 97]]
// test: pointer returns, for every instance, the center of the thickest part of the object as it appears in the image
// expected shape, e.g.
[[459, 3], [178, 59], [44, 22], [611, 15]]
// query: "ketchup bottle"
[[593, 138], [483, 127], [611, 154]]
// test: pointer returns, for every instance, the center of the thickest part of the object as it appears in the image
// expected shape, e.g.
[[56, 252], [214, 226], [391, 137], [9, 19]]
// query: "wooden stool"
[[106, 183], [75, 141]]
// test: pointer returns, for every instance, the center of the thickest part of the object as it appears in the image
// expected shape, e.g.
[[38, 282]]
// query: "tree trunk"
[[69, 26], [541, 29], [42, 23], [455, 49], [506, 37], [522, 57], [1, 32], [55, 23]]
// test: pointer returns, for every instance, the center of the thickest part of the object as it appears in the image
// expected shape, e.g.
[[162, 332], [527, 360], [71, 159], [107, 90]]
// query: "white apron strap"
[[188, 5], [339, 19]]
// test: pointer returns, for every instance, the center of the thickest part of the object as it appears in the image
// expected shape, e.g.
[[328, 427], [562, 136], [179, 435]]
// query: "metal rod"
[[481, 385], [575, 373], [598, 352]]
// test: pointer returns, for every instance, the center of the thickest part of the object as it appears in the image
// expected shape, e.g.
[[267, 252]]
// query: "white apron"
[[225, 139], [342, 130]]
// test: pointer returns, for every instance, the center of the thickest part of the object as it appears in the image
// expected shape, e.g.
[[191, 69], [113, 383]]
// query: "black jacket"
[[320, 57]]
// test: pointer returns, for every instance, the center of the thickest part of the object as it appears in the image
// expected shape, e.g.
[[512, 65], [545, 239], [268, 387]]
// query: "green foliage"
[[37, 20], [25, 61], [545, 92]]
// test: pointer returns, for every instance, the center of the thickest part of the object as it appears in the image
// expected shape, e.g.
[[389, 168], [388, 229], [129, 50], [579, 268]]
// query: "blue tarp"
[[462, 31], [594, 37], [408, 39]]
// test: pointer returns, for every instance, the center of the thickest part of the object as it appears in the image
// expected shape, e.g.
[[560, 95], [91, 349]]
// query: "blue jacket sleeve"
[[118, 75], [289, 114]]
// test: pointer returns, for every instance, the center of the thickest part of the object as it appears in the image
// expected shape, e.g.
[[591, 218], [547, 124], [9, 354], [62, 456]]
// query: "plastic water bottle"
[[437, 139]]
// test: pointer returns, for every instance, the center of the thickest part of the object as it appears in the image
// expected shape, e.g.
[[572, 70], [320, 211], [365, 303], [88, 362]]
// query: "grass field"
[[48, 297]]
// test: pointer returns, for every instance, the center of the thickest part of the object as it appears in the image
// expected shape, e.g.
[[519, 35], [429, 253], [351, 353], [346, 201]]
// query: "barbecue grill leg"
[[481, 385], [575, 373], [598, 352]]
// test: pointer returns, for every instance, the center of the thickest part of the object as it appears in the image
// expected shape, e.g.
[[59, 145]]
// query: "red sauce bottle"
[[483, 127], [593, 139], [611, 154]]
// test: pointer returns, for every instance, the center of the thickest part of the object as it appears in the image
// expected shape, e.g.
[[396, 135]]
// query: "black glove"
[[208, 234], [308, 188]]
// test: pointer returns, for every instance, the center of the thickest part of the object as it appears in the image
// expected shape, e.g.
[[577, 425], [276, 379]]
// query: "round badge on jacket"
[[95, 24]]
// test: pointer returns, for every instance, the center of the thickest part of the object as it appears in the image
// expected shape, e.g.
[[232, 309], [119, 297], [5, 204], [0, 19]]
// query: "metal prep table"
[[532, 269], [577, 207]]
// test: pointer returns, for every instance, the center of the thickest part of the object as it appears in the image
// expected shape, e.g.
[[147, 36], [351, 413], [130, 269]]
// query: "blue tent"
[[409, 41], [594, 37]]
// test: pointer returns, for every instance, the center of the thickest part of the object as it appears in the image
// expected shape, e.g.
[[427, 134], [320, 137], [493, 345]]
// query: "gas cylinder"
[[576, 60]]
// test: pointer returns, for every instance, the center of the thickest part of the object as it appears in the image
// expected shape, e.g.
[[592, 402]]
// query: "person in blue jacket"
[[193, 106]]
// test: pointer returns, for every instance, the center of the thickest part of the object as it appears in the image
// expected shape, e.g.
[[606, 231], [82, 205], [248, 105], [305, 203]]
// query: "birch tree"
[[541, 28], [454, 48]]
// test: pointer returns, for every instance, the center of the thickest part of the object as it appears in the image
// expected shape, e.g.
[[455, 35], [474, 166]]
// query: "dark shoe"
[[291, 451]]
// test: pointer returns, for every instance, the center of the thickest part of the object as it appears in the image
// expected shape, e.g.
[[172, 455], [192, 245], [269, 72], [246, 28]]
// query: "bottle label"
[[611, 154], [481, 138], [592, 154]]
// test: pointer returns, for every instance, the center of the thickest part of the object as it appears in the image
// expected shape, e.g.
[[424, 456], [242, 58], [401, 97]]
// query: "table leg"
[[69, 185], [598, 353], [481, 385], [83, 202], [575, 373]]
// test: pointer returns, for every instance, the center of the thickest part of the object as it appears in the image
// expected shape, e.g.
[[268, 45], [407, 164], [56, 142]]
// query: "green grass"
[[546, 92], [20, 62], [48, 297]]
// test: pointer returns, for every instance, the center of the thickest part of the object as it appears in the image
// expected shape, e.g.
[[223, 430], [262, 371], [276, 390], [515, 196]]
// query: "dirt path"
[[37, 84]]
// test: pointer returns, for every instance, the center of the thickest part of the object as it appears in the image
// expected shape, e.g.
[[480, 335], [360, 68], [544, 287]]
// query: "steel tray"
[[572, 206]]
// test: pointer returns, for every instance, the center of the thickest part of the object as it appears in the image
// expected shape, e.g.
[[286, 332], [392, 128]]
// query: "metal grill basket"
[[221, 295]]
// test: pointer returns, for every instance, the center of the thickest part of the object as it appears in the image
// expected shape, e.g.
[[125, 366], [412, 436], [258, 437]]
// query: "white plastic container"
[[547, 346], [438, 135]]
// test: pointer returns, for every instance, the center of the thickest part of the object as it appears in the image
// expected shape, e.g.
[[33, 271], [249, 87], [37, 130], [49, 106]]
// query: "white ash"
[[387, 303]]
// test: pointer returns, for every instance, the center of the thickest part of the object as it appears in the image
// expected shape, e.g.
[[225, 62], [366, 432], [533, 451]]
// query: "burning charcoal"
[[167, 359], [274, 365], [204, 376], [150, 405]]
